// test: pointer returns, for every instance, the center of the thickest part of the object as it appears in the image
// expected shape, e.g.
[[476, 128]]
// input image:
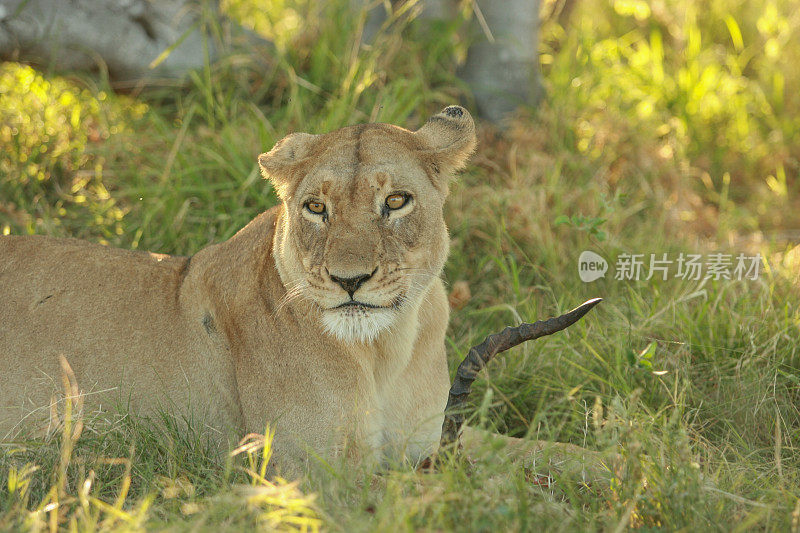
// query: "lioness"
[[325, 316]]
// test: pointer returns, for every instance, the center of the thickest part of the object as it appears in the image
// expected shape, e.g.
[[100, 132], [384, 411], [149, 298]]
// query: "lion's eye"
[[318, 208], [396, 201]]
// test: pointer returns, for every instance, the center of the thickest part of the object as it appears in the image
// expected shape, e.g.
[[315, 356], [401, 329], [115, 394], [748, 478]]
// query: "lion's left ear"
[[449, 139], [280, 164]]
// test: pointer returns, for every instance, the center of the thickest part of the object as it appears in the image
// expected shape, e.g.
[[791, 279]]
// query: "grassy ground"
[[669, 127]]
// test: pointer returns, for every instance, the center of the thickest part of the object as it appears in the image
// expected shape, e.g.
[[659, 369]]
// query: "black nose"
[[351, 285]]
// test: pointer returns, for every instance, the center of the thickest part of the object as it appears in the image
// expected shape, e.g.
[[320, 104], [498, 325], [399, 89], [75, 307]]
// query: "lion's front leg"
[[540, 460]]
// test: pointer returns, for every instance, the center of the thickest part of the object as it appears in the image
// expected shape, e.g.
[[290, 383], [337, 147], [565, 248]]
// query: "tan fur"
[[244, 332]]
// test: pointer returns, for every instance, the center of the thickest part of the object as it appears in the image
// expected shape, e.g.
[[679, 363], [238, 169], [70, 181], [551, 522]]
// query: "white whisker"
[[293, 291]]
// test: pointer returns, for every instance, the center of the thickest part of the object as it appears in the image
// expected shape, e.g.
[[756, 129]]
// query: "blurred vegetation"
[[707, 86], [669, 125], [48, 172]]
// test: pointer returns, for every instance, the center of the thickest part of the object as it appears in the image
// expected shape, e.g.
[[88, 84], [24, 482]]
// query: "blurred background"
[[619, 126], [693, 104]]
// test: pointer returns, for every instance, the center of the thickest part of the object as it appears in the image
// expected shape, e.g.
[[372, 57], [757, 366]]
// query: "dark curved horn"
[[481, 354]]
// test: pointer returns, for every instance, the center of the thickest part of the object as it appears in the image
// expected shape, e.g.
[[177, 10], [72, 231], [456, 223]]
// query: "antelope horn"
[[481, 354]]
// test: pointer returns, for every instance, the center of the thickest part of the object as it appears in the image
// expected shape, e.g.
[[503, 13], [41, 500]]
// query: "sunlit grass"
[[125, 473], [51, 176], [707, 88], [666, 128]]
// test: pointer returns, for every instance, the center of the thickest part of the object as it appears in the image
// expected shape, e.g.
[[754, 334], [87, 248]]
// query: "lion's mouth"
[[358, 305], [355, 320], [363, 306]]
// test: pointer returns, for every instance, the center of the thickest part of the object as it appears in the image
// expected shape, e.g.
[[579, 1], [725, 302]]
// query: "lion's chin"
[[357, 323]]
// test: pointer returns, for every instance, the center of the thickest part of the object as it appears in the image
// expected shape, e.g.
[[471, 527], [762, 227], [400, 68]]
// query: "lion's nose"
[[351, 285]]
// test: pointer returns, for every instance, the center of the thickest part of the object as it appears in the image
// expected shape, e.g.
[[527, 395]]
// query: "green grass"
[[669, 128]]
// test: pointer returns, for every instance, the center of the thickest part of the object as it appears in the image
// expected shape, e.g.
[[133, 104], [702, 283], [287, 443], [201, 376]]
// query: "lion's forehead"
[[337, 177], [363, 156]]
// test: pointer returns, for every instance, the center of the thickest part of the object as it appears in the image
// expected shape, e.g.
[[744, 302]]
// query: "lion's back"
[[74, 282], [114, 314]]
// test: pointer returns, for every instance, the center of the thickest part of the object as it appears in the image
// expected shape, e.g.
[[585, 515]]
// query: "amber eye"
[[396, 201], [317, 208]]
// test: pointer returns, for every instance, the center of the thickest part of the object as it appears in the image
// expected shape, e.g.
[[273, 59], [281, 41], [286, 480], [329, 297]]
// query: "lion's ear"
[[449, 138], [280, 163]]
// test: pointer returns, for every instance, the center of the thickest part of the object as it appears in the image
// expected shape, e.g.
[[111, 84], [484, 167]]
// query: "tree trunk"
[[502, 66], [125, 35]]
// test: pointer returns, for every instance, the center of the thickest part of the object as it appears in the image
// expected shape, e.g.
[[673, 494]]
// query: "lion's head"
[[362, 234]]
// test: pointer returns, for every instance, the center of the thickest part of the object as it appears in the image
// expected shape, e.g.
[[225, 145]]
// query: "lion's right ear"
[[279, 165]]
